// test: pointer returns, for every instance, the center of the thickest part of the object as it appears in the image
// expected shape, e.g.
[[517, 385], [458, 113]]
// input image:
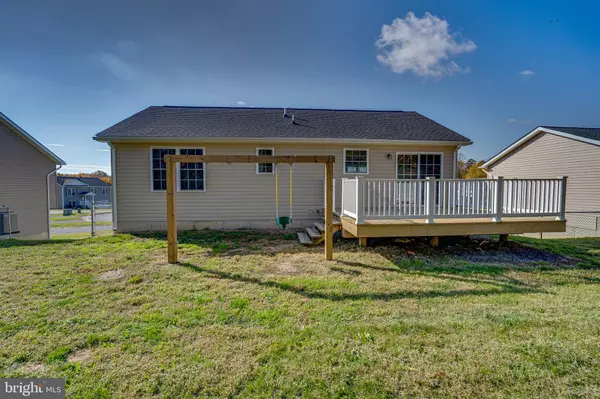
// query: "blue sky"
[[69, 69]]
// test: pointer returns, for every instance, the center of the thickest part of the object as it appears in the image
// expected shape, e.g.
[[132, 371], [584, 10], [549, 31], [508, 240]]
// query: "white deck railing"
[[452, 198]]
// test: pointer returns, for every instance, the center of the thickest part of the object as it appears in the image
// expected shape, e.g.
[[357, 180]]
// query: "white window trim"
[[355, 173], [441, 154], [177, 169], [272, 153], [94, 190], [71, 189]]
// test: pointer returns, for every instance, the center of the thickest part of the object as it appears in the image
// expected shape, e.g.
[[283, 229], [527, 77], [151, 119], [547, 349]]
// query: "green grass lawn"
[[77, 219], [257, 315]]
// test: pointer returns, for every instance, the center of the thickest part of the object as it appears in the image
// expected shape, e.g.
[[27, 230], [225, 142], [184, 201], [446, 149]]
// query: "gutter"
[[48, 195], [113, 186]]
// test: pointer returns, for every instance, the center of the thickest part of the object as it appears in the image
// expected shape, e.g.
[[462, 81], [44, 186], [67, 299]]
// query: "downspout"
[[113, 176], [48, 195]]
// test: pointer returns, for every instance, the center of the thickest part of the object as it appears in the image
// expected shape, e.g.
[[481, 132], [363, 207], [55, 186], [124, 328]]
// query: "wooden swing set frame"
[[172, 160]]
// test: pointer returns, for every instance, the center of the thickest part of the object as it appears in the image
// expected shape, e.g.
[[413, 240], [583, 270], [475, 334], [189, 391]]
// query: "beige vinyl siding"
[[236, 196], [23, 187], [549, 156]]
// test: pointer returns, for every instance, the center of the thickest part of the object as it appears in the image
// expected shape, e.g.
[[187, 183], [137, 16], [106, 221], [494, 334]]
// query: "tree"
[[475, 171], [469, 169], [99, 173]]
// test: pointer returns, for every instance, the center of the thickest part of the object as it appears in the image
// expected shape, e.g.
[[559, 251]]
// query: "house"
[[74, 192], [392, 176], [373, 144], [550, 151], [27, 169]]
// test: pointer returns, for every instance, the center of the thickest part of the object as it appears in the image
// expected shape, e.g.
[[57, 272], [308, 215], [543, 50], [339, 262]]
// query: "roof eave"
[[107, 139], [531, 135]]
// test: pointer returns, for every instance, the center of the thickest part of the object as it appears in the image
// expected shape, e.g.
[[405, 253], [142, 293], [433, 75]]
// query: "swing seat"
[[283, 222]]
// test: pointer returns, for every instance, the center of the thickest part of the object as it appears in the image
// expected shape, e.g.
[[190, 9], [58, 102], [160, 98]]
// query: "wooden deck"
[[450, 227]]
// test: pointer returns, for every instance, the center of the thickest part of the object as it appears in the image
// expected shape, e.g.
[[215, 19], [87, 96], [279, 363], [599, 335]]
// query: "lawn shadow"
[[503, 288]]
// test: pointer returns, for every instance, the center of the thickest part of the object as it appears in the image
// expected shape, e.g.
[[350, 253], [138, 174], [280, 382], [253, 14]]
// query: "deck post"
[[359, 200], [430, 199], [171, 214], [329, 209], [562, 207], [498, 206]]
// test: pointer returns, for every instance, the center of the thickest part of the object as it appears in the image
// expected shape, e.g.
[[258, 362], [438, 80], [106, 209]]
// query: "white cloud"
[[56, 145], [103, 150], [511, 120], [527, 72], [523, 121], [423, 46], [117, 66], [241, 103]]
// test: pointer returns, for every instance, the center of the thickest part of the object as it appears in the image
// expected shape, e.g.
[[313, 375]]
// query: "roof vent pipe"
[[292, 119], [285, 112]]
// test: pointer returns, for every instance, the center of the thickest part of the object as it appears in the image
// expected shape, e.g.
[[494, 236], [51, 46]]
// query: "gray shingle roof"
[[90, 181], [269, 123], [592, 133]]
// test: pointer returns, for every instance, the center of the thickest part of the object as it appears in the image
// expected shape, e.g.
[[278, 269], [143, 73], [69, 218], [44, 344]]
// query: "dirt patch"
[[33, 368], [478, 249], [80, 356], [112, 275]]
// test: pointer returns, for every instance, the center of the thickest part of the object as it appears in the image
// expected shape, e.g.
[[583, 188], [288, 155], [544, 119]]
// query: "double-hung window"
[[159, 167], [191, 176], [419, 166], [356, 161], [94, 190], [265, 168], [71, 191], [104, 191]]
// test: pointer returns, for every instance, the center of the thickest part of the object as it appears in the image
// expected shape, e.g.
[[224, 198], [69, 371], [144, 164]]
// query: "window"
[[356, 161], [104, 191], [266, 168], [159, 168], [419, 166], [94, 190], [71, 191], [191, 175]]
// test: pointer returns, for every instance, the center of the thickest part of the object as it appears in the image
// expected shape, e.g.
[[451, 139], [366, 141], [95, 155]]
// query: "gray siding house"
[[551, 151], [27, 172], [73, 192], [367, 144]]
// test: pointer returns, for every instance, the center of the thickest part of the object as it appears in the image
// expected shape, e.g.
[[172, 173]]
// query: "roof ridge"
[[272, 108]]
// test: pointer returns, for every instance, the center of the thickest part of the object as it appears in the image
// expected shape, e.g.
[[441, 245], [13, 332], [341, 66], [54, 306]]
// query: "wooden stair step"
[[304, 238], [314, 234], [320, 226]]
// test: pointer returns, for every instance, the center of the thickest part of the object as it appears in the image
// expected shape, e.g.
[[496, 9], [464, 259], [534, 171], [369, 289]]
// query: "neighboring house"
[[371, 144], [74, 192], [27, 170], [551, 151]]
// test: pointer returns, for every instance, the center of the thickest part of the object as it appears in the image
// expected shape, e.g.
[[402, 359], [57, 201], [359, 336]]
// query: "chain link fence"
[[100, 218], [579, 225]]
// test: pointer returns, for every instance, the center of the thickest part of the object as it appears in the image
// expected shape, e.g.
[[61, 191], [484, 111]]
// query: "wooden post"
[[362, 241], [329, 210], [503, 237], [435, 241], [498, 200], [562, 207], [171, 213]]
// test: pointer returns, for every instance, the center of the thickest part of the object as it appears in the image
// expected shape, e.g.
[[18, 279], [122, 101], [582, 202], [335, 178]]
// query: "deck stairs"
[[314, 235]]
